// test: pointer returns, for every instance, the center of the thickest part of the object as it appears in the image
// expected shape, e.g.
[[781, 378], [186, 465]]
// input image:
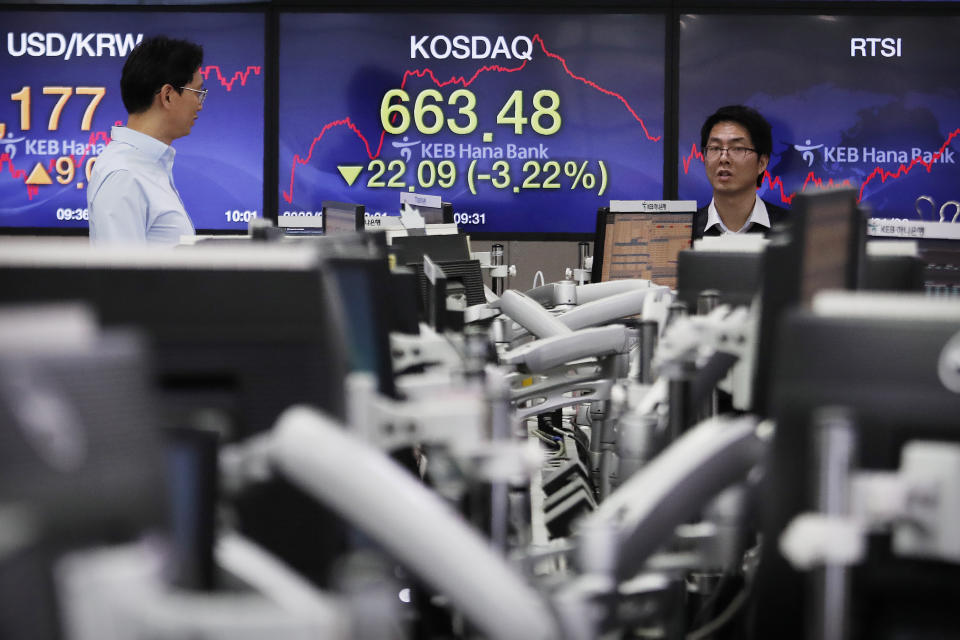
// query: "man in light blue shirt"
[[131, 196]]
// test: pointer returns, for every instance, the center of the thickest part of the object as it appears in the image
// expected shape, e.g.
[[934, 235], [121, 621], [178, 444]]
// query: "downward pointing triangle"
[[349, 173]]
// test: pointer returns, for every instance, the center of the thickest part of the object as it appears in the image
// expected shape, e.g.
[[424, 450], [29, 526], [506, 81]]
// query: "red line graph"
[[776, 183], [242, 76], [19, 174], [694, 153], [465, 82], [904, 170]]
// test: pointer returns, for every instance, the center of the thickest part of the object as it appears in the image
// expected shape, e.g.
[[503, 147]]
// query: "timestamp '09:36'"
[[67, 214]]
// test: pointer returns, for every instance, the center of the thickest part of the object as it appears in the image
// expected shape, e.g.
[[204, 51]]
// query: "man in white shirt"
[[736, 143], [131, 196]]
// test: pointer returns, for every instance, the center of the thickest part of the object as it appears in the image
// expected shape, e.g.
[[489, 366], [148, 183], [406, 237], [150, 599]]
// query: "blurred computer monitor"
[[342, 217], [821, 249], [734, 275], [81, 455], [243, 331], [334, 218], [881, 361], [363, 285]]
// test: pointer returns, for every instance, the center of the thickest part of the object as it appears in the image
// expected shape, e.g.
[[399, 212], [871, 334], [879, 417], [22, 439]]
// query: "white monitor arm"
[[409, 521]]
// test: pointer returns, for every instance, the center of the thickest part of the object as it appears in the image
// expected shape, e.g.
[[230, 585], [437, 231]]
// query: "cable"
[[548, 439], [561, 446], [722, 619], [542, 280], [711, 599]]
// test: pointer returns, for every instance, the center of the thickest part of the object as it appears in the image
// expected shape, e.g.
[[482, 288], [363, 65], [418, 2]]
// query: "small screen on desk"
[[644, 245]]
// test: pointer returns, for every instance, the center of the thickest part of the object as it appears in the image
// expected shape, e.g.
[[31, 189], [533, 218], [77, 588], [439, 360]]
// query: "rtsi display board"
[[870, 102], [60, 96], [526, 123]]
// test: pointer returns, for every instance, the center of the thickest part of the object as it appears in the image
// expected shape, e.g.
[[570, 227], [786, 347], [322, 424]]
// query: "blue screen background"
[[218, 167], [335, 70], [798, 71]]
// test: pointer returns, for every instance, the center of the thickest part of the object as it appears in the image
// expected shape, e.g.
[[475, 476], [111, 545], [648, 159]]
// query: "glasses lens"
[[734, 153]]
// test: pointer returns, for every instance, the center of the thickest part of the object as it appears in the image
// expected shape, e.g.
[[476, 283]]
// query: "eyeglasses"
[[202, 94], [734, 153]]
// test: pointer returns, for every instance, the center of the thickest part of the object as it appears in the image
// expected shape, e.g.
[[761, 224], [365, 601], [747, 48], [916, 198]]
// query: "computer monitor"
[[737, 275], [734, 275], [410, 249], [333, 218], [365, 305], [81, 461], [892, 273], [881, 362], [451, 252], [822, 248], [452, 280], [342, 217], [405, 300], [246, 331], [641, 239]]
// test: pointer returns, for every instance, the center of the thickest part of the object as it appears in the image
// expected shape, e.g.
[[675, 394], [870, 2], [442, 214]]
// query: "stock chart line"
[[597, 87], [242, 76], [775, 183], [903, 170], [465, 82], [18, 174]]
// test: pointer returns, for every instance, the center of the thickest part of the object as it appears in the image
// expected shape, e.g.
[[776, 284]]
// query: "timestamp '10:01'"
[[236, 215]]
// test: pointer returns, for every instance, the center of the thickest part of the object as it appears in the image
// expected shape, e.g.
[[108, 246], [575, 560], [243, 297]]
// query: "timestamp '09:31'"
[[470, 218]]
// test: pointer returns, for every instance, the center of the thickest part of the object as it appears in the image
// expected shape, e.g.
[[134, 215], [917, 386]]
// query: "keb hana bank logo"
[[829, 155]]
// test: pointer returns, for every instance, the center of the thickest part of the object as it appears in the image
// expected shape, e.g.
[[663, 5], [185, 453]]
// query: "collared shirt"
[[131, 196], [758, 216]]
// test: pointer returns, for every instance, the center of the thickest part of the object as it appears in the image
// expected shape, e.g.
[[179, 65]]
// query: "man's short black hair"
[[751, 120], [153, 63]]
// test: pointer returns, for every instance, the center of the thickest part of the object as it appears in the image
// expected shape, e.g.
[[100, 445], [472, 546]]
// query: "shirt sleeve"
[[118, 211]]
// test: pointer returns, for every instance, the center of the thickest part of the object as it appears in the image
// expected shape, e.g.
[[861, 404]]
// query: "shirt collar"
[[155, 150], [758, 216]]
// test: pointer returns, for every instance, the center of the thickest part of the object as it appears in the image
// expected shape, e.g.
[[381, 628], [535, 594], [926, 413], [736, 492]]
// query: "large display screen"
[[525, 123], [60, 96], [866, 101]]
